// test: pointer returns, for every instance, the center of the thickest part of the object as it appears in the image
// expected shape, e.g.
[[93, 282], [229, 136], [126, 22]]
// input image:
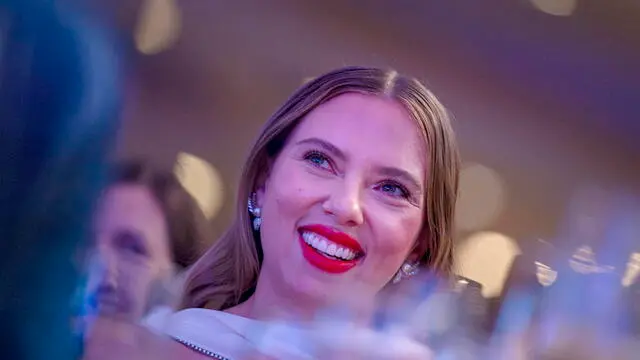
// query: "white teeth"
[[325, 246], [331, 250], [348, 254]]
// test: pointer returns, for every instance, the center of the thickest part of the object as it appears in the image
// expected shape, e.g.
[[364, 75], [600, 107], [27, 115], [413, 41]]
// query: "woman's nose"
[[344, 203]]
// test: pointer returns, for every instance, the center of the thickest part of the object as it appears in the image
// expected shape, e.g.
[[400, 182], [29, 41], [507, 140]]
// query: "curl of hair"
[[227, 273]]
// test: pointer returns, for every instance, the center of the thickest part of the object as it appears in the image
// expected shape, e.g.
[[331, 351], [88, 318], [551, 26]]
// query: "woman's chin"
[[309, 289]]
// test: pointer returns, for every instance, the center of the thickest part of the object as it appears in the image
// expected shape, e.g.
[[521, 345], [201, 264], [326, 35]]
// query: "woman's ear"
[[417, 252], [414, 257], [259, 199], [262, 184]]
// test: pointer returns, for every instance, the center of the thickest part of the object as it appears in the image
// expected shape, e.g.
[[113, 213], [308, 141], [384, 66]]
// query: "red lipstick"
[[321, 259]]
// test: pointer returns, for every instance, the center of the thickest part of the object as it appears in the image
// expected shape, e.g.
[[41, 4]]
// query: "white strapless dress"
[[225, 336], [214, 333]]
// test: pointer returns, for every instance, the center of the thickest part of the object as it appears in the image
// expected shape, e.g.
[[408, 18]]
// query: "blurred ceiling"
[[586, 64], [589, 61]]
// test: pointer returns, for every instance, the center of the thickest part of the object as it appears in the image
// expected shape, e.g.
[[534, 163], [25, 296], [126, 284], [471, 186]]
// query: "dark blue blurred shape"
[[58, 111]]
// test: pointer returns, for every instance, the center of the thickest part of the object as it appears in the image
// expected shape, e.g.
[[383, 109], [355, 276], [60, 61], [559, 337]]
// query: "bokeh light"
[[486, 257], [158, 26], [633, 270], [556, 7], [202, 181], [545, 274], [481, 199]]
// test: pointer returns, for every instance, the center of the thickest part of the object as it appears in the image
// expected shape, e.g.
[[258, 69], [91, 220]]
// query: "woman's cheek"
[[396, 231]]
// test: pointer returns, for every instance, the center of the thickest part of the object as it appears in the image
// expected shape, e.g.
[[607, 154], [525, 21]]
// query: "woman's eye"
[[318, 159], [393, 189]]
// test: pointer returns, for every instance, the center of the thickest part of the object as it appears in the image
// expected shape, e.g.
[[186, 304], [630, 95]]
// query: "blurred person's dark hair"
[[188, 227], [58, 105]]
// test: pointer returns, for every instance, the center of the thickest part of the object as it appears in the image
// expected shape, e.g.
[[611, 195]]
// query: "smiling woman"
[[366, 199], [351, 186]]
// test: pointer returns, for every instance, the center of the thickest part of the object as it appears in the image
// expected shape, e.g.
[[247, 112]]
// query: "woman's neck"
[[264, 305], [268, 304]]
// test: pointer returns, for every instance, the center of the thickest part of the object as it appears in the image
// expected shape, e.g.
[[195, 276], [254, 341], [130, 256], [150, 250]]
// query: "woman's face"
[[132, 252], [342, 205]]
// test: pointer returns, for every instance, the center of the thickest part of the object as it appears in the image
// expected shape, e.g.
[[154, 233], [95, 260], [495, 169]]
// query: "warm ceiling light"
[[158, 26], [202, 181], [556, 7]]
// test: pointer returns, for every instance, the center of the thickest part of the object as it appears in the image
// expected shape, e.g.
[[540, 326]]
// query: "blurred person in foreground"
[[349, 189], [59, 102]]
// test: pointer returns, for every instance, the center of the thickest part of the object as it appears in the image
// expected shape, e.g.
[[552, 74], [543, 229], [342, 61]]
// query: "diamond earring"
[[406, 270], [255, 211]]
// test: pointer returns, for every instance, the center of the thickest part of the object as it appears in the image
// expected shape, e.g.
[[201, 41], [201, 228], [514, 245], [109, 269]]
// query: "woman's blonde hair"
[[227, 273]]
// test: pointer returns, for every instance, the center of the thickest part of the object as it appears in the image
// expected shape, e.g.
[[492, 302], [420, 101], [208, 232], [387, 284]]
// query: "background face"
[[132, 251]]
